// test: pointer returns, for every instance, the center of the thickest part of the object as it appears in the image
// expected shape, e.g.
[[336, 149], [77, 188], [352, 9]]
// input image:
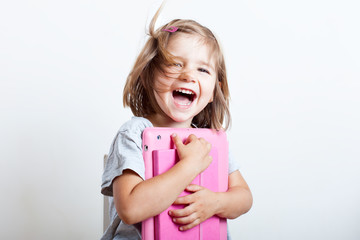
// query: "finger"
[[182, 212], [193, 188], [191, 225], [185, 220], [177, 141], [210, 158], [190, 138], [184, 200], [208, 146]]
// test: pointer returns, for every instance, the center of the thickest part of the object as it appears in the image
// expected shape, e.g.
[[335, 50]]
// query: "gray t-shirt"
[[126, 153]]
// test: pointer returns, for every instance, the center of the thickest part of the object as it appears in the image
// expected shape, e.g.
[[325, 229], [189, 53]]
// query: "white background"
[[294, 76]]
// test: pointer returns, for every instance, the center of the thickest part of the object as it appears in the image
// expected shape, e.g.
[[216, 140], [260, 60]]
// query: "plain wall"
[[293, 69]]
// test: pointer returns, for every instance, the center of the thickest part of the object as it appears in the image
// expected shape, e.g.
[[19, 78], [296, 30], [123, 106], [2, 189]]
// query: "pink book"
[[159, 156]]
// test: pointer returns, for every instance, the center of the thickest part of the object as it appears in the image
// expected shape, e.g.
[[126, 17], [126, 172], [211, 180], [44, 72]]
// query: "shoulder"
[[135, 125], [132, 129]]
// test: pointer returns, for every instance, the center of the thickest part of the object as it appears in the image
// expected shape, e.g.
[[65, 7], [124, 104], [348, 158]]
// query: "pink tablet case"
[[160, 155]]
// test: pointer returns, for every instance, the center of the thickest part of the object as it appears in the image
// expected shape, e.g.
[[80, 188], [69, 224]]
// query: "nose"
[[187, 75]]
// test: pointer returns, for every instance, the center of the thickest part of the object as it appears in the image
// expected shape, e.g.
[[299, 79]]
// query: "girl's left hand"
[[201, 205]]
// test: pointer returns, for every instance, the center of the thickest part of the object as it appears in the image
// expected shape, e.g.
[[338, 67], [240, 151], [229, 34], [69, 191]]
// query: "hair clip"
[[170, 29]]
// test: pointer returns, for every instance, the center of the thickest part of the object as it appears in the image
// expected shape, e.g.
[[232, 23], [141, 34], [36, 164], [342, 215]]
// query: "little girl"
[[178, 81]]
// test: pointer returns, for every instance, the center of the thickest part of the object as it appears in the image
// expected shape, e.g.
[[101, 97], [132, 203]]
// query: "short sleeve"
[[233, 165], [125, 153]]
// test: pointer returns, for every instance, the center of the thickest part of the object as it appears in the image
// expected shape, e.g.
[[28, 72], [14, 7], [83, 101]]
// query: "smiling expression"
[[186, 87]]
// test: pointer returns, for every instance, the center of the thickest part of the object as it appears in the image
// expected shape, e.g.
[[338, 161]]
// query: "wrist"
[[192, 166], [188, 167], [219, 207]]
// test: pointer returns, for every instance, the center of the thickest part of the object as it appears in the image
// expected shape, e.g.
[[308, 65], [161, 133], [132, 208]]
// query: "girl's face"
[[187, 86]]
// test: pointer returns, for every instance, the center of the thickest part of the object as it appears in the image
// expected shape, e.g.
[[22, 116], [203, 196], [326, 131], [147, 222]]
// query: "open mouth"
[[183, 97]]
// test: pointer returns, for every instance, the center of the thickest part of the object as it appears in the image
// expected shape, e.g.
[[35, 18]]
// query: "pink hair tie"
[[170, 29]]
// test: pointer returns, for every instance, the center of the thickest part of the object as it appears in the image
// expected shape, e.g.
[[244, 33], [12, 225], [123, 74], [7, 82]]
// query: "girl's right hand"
[[195, 150]]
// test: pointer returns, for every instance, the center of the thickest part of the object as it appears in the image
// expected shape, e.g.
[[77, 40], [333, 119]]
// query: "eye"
[[177, 65], [204, 70]]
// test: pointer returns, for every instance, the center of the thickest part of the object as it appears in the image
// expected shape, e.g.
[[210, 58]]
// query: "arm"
[[237, 200], [203, 203], [136, 200]]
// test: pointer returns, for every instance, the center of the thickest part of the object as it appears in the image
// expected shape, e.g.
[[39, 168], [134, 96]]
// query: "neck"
[[159, 121]]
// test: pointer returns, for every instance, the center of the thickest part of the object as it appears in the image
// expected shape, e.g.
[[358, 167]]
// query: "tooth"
[[185, 91]]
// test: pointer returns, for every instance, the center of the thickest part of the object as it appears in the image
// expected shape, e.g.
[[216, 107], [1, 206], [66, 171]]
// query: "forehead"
[[191, 46]]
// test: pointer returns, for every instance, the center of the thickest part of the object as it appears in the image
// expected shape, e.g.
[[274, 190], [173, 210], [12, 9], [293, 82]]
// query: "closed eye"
[[204, 70]]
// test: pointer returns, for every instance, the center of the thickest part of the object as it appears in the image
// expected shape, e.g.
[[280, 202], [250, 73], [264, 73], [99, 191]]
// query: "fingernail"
[[181, 228], [173, 135], [174, 219], [170, 212]]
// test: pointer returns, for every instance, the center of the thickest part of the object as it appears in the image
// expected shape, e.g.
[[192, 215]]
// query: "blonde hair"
[[138, 91]]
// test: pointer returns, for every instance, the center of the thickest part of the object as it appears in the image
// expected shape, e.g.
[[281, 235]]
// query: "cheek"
[[161, 84], [161, 89], [212, 98], [208, 91]]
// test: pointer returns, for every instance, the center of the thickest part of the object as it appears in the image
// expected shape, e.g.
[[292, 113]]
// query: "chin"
[[180, 119]]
